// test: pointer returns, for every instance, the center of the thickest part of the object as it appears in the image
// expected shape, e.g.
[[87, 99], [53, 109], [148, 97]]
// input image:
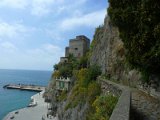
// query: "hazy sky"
[[34, 33]]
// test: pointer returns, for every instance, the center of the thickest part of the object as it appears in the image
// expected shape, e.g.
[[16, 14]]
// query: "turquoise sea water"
[[15, 99]]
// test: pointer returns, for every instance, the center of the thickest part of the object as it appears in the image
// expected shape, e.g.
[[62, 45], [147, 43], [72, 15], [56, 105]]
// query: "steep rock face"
[[77, 113], [109, 53]]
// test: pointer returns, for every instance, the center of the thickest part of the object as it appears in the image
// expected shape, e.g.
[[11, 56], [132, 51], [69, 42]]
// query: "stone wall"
[[63, 59], [76, 47], [66, 51], [122, 109], [107, 88]]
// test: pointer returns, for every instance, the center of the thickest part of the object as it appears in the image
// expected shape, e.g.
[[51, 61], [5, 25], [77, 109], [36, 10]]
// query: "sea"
[[15, 99]]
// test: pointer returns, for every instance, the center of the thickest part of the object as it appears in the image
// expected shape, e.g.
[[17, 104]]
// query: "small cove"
[[15, 99]]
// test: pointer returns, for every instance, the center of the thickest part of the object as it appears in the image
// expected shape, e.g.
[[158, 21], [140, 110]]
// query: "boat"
[[32, 103]]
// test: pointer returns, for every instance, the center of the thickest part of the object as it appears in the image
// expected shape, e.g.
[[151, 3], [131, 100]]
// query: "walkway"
[[144, 107]]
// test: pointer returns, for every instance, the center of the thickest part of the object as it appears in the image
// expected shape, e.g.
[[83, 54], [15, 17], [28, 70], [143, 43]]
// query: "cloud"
[[69, 7], [90, 20], [41, 7], [36, 7], [40, 58], [58, 31], [46, 50], [19, 4], [43, 57], [52, 49], [55, 34], [14, 30], [8, 46], [7, 30]]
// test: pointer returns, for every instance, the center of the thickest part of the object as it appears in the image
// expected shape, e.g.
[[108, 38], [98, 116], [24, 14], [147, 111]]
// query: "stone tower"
[[78, 46]]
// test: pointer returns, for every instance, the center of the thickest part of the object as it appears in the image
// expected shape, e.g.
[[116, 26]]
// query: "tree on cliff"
[[139, 25]]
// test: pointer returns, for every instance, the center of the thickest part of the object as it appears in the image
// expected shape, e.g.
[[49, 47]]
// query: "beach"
[[38, 112]]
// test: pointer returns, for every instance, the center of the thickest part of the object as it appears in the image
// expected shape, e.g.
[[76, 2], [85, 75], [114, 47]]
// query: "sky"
[[34, 33]]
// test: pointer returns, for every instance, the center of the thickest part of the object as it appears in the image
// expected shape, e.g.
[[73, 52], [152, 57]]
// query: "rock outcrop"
[[109, 53], [77, 113]]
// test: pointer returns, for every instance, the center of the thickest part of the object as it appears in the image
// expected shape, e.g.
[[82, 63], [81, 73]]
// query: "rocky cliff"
[[109, 53], [77, 113]]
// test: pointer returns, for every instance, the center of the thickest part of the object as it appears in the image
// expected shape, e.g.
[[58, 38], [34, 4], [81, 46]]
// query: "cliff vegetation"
[[85, 94], [138, 22]]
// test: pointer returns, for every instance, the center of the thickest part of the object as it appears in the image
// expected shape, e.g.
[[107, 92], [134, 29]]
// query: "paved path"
[[32, 113], [144, 107]]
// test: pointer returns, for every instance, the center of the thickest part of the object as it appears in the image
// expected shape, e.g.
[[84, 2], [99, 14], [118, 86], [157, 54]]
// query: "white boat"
[[32, 103]]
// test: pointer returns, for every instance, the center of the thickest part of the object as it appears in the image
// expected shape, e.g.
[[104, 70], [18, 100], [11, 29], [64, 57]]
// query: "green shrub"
[[94, 72], [68, 106], [94, 90], [78, 96], [62, 96], [139, 24], [56, 74], [56, 67], [83, 62], [66, 70], [82, 77], [86, 88], [102, 107]]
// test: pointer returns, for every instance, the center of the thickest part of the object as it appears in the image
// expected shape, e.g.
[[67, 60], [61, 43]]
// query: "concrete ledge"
[[122, 109], [25, 87]]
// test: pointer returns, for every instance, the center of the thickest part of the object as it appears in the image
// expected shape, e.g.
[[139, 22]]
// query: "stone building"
[[66, 51], [63, 84], [78, 46], [63, 59]]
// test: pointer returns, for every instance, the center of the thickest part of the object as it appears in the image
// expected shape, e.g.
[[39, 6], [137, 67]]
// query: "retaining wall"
[[122, 109]]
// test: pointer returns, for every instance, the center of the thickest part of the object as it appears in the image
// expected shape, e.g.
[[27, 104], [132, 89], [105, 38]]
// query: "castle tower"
[[78, 46]]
